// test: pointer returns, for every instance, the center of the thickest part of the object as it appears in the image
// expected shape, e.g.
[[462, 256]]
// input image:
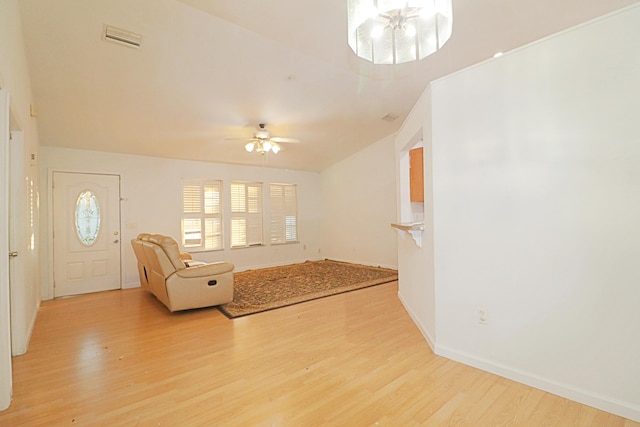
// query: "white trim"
[[47, 286], [22, 347], [131, 285], [605, 403], [425, 333]]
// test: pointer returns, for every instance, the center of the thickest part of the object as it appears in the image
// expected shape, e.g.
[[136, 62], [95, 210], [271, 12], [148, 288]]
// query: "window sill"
[[199, 251], [258, 245], [285, 243]]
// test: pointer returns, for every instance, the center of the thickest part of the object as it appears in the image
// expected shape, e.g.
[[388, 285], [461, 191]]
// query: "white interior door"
[[5, 310], [18, 246], [86, 233]]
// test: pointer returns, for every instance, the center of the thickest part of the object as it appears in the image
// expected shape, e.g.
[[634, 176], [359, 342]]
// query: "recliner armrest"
[[206, 270], [192, 263]]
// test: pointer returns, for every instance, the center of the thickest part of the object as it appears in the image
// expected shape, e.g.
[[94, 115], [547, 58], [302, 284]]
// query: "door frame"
[[48, 292]]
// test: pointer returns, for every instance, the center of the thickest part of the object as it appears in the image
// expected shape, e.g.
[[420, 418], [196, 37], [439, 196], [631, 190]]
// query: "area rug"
[[269, 288]]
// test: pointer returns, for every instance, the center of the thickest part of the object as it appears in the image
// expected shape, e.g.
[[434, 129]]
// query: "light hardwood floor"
[[120, 358]]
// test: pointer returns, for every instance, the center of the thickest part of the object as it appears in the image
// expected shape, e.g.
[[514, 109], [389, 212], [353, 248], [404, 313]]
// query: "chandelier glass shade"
[[398, 31], [261, 146]]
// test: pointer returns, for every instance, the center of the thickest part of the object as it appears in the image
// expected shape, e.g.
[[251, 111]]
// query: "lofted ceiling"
[[210, 70]]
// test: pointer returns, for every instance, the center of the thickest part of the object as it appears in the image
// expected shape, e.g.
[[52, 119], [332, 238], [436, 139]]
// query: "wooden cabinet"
[[416, 175]]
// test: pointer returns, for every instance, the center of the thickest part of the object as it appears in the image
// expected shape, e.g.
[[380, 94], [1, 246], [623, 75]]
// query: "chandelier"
[[397, 31]]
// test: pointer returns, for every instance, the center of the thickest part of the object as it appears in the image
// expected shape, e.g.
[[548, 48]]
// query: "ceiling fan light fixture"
[[262, 142], [398, 31]]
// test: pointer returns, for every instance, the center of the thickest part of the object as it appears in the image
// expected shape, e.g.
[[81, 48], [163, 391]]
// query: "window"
[[284, 213], [201, 215], [87, 218], [246, 214]]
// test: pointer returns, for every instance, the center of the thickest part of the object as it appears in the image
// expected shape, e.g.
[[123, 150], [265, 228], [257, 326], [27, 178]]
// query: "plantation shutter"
[[201, 215], [213, 214], [284, 213], [246, 214], [191, 218]]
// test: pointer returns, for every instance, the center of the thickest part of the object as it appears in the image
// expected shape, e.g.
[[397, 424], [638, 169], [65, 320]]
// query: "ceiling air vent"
[[123, 37], [391, 117]]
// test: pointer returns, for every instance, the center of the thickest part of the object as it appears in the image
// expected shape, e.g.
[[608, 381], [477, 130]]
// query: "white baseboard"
[[605, 403], [280, 264], [276, 264], [24, 345], [368, 264], [421, 327], [131, 285], [32, 325]]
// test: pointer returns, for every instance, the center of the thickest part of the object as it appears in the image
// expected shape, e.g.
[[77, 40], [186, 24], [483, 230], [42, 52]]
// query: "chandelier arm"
[[395, 47], [417, 44], [435, 20]]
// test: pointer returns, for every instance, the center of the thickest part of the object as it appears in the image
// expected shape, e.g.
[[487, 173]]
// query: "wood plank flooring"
[[120, 358]]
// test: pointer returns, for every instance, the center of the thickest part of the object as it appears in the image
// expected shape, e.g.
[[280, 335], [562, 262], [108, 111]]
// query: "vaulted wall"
[[536, 200]]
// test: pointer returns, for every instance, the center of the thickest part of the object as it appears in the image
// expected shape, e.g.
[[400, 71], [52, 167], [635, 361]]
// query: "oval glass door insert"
[[87, 218]]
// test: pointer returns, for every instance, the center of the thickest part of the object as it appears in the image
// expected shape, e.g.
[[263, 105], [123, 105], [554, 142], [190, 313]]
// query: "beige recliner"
[[175, 279]]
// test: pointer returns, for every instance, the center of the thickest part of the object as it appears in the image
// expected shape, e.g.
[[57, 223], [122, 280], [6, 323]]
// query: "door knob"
[[13, 254]]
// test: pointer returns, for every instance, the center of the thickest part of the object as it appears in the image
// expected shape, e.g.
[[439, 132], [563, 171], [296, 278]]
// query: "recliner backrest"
[[143, 263], [170, 248]]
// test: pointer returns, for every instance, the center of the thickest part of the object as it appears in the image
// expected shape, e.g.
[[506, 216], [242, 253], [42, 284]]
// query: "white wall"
[[537, 213], [25, 295], [14, 75], [345, 213], [359, 204], [416, 287], [151, 189]]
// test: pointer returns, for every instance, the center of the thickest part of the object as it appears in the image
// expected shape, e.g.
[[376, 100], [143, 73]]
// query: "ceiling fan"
[[262, 141]]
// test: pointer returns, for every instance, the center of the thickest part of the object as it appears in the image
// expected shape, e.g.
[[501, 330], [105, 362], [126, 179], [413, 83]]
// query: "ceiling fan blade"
[[241, 139], [285, 140]]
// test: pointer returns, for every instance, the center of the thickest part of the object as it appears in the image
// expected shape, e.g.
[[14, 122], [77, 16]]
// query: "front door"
[[86, 233]]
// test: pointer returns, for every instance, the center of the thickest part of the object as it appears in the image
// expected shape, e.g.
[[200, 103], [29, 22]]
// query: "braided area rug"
[[270, 288]]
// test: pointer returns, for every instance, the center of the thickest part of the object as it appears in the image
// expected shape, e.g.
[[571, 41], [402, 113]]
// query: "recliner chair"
[[175, 279]]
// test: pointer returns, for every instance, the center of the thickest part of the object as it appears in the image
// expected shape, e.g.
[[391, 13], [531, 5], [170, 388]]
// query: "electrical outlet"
[[482, 314]]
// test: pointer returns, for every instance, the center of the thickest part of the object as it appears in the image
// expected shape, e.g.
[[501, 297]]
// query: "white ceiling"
[[209, 70]]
